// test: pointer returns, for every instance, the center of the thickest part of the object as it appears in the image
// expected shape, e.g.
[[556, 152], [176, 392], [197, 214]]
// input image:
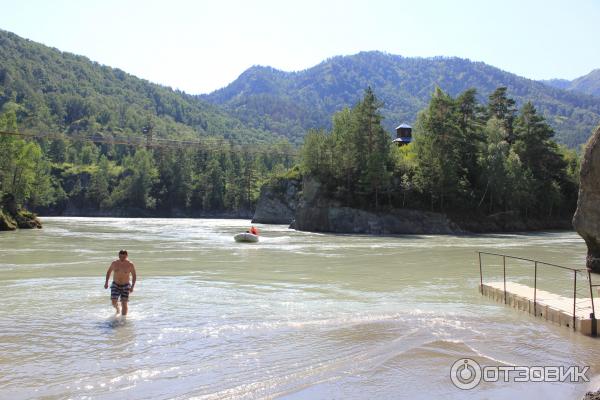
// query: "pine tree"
[[504, 109], [438, 144], [374, 146], [540, 155], [345, 168], [494, 168]]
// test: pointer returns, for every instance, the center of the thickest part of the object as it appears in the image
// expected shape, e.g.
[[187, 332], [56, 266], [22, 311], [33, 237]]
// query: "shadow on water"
[[116, 332], [113, 323]]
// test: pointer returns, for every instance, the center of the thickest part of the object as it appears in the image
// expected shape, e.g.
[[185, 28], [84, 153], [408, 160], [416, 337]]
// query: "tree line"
[[465, 156], [49, 175]]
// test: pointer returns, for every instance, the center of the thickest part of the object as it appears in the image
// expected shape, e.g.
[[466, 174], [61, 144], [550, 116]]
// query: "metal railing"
[[537, 263]]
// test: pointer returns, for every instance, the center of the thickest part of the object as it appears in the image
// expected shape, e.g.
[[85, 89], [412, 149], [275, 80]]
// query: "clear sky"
[[200, 46]]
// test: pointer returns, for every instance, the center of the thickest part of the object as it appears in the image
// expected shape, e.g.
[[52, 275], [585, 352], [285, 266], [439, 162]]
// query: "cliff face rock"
[[278, 202], [587, 217], [307, 206], [352, 220], [317, 213]]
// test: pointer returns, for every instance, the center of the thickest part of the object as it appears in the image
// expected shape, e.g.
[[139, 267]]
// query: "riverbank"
[[13, 217], [305, 206]]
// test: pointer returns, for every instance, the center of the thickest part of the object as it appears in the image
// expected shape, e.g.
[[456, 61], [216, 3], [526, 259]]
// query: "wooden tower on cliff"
[[403, 135]]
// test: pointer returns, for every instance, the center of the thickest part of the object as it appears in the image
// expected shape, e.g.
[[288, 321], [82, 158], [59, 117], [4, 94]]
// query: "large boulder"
[[587, 216]]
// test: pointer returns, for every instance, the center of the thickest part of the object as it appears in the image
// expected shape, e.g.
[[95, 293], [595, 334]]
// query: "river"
[[298, 315]]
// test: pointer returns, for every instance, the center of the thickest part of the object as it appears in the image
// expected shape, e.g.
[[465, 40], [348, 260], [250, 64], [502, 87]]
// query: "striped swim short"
[[122, 291]]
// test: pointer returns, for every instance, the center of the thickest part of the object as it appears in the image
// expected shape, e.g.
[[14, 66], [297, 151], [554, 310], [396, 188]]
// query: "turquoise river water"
[[298, 315]]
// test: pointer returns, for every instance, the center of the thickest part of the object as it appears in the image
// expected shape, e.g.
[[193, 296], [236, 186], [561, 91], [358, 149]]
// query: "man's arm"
[[133, 277], [110, 269]]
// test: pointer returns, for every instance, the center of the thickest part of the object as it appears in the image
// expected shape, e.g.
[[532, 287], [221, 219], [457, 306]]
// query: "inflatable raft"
[[246, 238]]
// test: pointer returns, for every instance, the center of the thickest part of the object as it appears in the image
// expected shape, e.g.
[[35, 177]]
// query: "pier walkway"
[[576, 312]]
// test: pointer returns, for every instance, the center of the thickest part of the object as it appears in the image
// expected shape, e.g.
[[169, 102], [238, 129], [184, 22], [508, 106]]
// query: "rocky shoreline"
[[303, 206], [12, 218]]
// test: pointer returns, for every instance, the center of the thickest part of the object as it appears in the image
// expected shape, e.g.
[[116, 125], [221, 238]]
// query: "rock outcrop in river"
[[317, 213], [305, 205], [587, 217], [12, 218]]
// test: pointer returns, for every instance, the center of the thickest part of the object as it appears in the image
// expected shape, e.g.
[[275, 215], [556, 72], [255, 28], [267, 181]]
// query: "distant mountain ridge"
[[587, 84], [56, 91], [53, 91], [290, 103]]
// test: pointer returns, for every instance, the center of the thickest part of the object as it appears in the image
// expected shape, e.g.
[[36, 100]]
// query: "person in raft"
[[253, 231], [120, 287]]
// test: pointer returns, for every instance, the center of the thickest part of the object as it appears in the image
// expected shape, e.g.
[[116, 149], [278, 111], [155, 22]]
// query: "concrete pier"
[[548, 306]]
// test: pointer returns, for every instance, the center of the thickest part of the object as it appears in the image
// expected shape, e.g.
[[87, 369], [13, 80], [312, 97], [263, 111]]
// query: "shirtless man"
[[121, 287]]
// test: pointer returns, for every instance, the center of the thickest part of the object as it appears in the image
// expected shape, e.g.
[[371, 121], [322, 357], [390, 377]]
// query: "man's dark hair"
[[123, 252]]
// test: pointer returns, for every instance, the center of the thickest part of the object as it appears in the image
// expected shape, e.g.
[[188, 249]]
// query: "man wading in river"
[[121, 287]]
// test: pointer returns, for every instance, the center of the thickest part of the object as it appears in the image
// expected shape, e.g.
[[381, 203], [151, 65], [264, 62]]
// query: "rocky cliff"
[[306, 206], [317, 213], [278, 202], [587, 216], [352, 220]]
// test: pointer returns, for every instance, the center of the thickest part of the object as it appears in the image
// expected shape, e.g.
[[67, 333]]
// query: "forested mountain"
[[53, 91], [557, 83], [43, 90], [587, 84], [290, 103]]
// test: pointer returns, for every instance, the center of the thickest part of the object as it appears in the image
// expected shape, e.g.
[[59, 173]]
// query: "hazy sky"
[[200, 46]]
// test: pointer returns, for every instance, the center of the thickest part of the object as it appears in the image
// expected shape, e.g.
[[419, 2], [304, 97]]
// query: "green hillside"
[[55, 91], [289, 103], [587, 84]]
